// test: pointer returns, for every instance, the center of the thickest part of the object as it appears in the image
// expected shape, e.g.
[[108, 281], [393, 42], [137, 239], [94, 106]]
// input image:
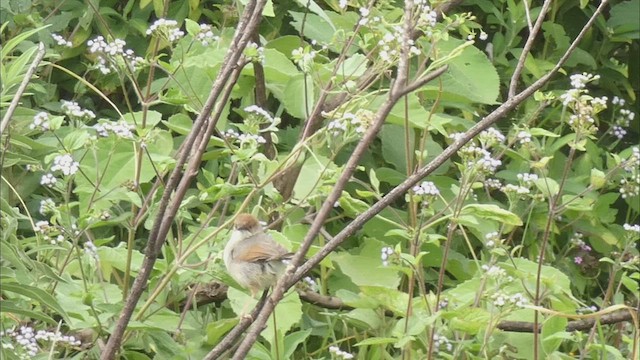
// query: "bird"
[[252, 258]]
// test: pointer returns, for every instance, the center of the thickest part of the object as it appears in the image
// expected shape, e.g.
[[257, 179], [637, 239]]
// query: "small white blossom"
[[523, 137], [206, 36], [48, 180], [40, 121], [632, 228], [385, 253], [166, 28], [66, 164], [61, 41], [72, 109], [46, 206], [426, 188]]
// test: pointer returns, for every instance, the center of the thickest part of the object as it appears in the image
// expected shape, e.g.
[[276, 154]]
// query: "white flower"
[[48, 180], [65, 164], [40, 121], [61, 41]]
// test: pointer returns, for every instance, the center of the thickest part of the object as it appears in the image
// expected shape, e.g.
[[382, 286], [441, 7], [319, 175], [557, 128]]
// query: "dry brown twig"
[[202, 129], [298, 270]]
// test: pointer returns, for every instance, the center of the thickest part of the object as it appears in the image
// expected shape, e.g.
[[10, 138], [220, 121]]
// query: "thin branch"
[[370, 135], [164, 218], [527, 48], [23, 86]]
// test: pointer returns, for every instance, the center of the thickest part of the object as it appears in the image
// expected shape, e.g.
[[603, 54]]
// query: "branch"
[[334, 303], [246, 26], [527, 48], [370, 135], [23, 86]]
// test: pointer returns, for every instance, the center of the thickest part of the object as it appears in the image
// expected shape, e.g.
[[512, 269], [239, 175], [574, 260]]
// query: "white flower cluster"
[[524, 137], [630, 187], [40, 122], [345, 123], [500, 299], [166, 28], [120, 129], [206, 36], [579, 81], [48, 180], [46, 206], [527, 178], [91, 250], [515, 189], [632, 228], [257, 110], [385, 253], [618, 101], [243, 139], [48, 232], [618, 131], [494, 271], [492, 239], [492, 184], [73, 110], [303, 57], [66, 164], [479, 157], [440, 342], [339, 353], [27, 340], [61, 41], [109, 53], [254, 52], [364, 16], [390, 45], [491, 137], [42, 227], [633, 161], [343, 4], [426, 188]]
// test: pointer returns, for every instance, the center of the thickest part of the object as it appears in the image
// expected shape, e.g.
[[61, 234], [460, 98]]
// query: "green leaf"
[[377, 341], [553, 333], [299, 96], [367, 271], [217, 329], [291, 341], [11, 308], [36, 294], [547, 186], [471, 77], [492, 212]]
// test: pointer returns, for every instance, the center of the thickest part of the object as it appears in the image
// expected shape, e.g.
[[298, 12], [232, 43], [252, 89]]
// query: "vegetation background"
[[460, 179]]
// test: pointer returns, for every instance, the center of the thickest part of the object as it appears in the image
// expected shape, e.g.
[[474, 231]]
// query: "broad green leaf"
[[551, 328], [367, 271], [470, 78], [44, 298], [299, 96], [492, 212], [377, 341], [547, 186]]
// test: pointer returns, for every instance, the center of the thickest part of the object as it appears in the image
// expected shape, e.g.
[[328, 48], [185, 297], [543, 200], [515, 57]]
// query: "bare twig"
[[246, 26], [395, 93], [527, 47], [23, 86]]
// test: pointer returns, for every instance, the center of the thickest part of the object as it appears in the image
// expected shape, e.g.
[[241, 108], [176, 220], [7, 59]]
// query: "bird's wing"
[[260, 247]]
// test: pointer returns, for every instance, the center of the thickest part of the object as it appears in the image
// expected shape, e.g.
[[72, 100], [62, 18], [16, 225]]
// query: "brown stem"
[[246, 26]]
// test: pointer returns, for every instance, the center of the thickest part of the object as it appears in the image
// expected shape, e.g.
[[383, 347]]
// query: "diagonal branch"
[[246, 26]]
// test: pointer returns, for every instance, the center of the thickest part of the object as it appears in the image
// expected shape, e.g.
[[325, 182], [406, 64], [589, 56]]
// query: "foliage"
[[544, 203]]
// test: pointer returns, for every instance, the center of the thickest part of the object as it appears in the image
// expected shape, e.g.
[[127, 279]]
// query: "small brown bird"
[[252, 257]]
